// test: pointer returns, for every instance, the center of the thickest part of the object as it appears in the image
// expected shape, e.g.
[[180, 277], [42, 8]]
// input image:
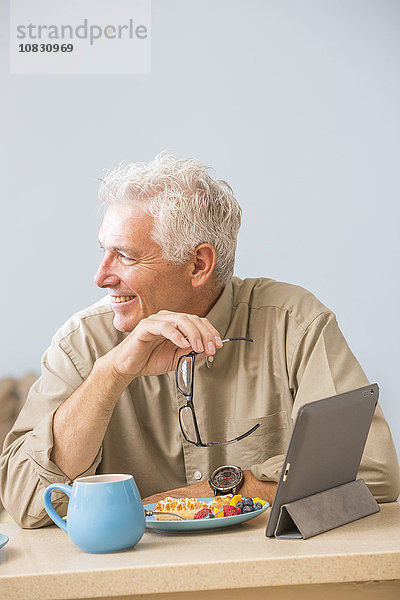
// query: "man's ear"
[[202, 264]]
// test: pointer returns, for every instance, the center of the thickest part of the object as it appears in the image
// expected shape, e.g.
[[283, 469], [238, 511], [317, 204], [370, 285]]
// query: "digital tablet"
[[325, 448]]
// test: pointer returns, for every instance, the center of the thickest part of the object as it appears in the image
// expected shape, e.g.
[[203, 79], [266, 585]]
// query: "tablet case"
[[324, 451], [326, 510]]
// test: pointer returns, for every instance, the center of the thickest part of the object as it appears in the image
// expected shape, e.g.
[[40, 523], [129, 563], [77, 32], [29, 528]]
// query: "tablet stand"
[[326, 510]]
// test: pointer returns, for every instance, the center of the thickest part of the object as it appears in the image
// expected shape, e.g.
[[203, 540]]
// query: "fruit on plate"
[[230, 511], [257, 499], [219, 506], [236, 498], [202, 514]]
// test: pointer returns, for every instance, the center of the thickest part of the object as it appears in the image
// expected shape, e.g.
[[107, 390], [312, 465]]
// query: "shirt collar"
[[220, 314]]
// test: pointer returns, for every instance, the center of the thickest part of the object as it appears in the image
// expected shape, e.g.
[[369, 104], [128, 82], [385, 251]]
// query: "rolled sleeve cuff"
[[270, 470], [39, 446]]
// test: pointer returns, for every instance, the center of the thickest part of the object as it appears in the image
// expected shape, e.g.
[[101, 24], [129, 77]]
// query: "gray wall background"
[[294, 102]]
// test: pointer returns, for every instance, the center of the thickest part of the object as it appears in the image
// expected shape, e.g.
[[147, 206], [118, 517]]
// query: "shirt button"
[[197, 475], [210, 359]]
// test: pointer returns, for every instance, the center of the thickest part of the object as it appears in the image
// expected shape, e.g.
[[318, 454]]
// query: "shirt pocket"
[[270, 439]]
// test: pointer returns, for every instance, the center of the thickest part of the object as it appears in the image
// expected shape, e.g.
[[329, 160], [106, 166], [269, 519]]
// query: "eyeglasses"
[[187, 416]]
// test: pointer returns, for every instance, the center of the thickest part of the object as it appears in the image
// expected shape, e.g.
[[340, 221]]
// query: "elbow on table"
[[381, 475], [28, 512], [387, 490], [391, 494], [27, 521]]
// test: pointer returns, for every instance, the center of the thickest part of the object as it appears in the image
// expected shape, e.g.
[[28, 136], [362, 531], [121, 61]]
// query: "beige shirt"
[[299, 355]]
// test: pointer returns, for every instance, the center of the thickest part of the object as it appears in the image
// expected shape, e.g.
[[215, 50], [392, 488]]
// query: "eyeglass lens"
[[187, 423], [185, 374]]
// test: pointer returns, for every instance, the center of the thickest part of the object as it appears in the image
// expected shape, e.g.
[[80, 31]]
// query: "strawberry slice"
[[202, 513], [230, 510]]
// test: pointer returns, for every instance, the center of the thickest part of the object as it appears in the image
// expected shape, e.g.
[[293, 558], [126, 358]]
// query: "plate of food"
[[196, 514]]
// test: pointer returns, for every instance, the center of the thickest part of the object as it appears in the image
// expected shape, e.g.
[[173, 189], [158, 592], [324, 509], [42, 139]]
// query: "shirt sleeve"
[[322, 365], [25, 465]]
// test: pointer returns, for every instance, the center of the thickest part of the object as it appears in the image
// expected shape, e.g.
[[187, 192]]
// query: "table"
[[358, 560]]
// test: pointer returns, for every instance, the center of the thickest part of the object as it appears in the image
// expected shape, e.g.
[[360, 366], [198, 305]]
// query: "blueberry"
[[247, 509], [257, 505], [248, 501], [209, 516], [240, 504]]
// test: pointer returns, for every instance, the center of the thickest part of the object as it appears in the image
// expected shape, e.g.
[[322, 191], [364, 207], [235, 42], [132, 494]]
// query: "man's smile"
[[122, 299]]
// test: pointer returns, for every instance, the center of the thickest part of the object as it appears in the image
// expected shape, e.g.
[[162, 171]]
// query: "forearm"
[[80, 423], [251, 487], [152, 348]]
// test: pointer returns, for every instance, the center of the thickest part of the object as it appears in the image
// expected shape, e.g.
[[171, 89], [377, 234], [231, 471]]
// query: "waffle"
[[220, 501], [184, 507]]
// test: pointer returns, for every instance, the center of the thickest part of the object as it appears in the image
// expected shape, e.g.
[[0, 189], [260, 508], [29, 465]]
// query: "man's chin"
[[124, 325]]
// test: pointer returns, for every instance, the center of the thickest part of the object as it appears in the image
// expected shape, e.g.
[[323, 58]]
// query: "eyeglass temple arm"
[[250, 431], [235, 339], [237, 439]]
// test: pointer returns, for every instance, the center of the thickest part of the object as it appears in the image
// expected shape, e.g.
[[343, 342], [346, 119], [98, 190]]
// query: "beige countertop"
[[44, 563]]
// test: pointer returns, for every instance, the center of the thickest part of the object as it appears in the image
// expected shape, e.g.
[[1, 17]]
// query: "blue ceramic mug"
[[105, 512]]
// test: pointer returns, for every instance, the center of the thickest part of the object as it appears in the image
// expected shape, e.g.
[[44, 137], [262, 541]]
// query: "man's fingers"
[[150, 328], [202, 336], [213, 332], [199, 333], [210, 336], [145, 351], [191, 332]]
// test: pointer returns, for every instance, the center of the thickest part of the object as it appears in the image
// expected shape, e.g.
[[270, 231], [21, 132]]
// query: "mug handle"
[[54, 516]]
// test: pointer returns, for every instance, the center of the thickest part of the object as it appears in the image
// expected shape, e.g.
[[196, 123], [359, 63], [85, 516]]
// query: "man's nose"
[[104, 276]]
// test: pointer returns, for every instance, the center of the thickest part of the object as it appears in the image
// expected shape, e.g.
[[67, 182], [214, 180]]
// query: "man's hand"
[[152, 348], [157, 342], [251, 487]]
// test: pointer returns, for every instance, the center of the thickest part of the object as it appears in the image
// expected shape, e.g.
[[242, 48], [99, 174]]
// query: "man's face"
[[139, 280]]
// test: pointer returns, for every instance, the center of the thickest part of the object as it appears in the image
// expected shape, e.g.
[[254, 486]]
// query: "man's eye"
[[127, 261]]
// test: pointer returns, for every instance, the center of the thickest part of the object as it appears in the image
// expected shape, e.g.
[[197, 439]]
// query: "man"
[[107, 399]]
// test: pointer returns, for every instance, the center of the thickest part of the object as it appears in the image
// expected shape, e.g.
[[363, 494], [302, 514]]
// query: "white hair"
[[189, 207]]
